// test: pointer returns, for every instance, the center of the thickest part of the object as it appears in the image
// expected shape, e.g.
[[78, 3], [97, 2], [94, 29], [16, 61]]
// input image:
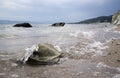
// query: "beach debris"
[[26, 25], [58, 24], [42, 54]]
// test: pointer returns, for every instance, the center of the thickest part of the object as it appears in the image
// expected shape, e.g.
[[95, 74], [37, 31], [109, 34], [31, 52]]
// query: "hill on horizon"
[[100, 19]]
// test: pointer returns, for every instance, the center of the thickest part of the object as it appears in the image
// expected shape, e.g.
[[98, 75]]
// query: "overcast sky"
[[56, 10]]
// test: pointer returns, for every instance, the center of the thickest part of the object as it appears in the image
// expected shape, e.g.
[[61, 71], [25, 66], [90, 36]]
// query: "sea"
[[79, 42]]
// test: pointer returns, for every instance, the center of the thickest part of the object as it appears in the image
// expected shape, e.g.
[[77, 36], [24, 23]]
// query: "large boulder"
[[22, 25], [44, 54], [116, 18], [58, 24]]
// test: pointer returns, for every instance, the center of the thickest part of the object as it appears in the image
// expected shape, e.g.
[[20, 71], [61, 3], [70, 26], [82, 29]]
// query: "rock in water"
[[116, 18], [22, 25], [58, 24], [44, 54]]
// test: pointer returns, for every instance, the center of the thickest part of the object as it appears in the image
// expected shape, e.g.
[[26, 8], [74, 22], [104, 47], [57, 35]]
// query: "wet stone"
[[44, 54]]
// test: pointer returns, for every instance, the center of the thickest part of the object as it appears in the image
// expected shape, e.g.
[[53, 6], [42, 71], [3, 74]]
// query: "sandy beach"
[[113, 55], [60, 39]]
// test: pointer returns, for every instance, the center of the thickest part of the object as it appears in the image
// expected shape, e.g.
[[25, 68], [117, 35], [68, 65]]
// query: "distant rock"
[[22, 25], [44, 54], [100, 19], [58, 24], [116, 18]]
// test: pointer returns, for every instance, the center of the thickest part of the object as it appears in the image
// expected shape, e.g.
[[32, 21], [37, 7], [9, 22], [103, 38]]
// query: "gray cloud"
[[25, 4], [45, 10]]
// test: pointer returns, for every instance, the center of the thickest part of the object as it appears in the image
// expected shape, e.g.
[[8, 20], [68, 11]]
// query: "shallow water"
[[81, 41]]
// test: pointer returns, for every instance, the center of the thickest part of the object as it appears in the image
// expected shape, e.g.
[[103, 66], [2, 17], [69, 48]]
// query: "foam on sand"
[[96, 48]]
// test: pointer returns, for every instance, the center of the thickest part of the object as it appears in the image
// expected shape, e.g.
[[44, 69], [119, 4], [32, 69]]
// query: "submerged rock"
[[44, 54], [58, 24], [22, 25]]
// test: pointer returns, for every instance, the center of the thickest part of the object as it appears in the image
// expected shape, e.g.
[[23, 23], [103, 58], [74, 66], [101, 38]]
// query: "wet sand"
[[117, 28], [112, 57], [82, 67], [68, 69], [113, 52]]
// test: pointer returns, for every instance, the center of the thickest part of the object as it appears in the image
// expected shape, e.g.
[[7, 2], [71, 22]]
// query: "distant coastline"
[[100, 19]]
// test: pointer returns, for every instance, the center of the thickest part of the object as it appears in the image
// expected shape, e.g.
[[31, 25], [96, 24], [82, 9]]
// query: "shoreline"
[[112, 55], [71, 66], [113, 52]]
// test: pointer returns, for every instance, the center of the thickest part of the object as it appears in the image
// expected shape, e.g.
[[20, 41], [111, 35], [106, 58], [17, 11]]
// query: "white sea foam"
[[88, 34], [116, 31], [111, 28], [116, 76], [58, 48], [74, 34], [100, 47], [95, 47], [85, 34], [102, 65], [29, 52]]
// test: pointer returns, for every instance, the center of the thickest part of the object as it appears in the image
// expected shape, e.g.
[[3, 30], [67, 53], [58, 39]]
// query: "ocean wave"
[[86, 49], [85, 34]]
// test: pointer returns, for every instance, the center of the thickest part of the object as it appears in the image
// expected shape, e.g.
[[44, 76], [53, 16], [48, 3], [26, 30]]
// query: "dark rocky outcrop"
[[26, 25], [44, 54], [58, 24], [116, 18]]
